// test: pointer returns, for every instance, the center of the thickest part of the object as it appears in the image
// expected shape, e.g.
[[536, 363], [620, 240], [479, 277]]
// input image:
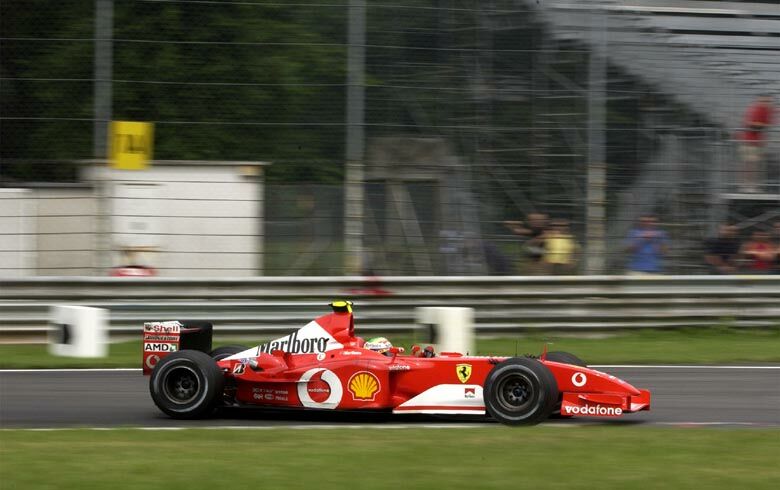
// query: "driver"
[[379, 345]]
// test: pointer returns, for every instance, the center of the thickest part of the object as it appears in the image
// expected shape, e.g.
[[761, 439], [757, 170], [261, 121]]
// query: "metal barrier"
[[266, 305]]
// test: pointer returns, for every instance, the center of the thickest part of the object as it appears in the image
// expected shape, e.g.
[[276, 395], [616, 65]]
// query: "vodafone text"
[[592, 410]]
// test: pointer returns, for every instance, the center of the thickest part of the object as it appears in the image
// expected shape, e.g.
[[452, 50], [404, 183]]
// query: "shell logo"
[[364, 386]]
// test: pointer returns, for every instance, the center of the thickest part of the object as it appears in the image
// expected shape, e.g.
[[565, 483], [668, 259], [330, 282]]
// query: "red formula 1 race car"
[[324, 366]]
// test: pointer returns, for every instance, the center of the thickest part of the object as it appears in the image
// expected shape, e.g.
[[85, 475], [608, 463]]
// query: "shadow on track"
[[284, 417]]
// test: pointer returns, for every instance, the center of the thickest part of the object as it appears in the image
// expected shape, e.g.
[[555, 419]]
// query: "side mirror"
[[396, 350]]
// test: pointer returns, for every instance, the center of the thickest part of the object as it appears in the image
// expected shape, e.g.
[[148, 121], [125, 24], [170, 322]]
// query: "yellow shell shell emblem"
[[363, 386]]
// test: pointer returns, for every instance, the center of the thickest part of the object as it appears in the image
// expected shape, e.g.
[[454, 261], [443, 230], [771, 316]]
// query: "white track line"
[[708, 424], [599, 366]]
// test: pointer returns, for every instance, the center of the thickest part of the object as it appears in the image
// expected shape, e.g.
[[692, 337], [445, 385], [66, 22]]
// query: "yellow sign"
[[130, 146], [463, 371]]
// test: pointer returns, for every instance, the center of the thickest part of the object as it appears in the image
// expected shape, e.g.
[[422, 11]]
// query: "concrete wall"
[[190, 219], [65, 231], [185, 219], [17, 239]]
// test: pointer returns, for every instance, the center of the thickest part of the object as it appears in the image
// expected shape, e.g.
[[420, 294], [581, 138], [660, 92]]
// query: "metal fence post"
[[102, 114], [104, 25], [353, 188], [595, 212]]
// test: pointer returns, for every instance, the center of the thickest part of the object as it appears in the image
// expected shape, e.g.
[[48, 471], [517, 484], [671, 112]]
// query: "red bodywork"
[[323, 366]]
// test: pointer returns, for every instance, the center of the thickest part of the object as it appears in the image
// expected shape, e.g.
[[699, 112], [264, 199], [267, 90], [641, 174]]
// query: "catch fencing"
[[264, 306], [405, 138]]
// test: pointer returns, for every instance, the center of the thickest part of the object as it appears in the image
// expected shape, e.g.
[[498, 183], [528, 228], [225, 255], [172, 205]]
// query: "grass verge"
[[685, 346], [486, 458]]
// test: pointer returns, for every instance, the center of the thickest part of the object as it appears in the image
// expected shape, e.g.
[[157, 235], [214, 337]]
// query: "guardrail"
[[266, 305]]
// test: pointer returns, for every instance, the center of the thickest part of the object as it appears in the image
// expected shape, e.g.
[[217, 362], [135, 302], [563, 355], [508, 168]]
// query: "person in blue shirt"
[[647, 245]]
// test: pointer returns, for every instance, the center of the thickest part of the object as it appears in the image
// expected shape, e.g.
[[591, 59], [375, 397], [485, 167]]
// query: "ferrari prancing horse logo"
[[463, 371]]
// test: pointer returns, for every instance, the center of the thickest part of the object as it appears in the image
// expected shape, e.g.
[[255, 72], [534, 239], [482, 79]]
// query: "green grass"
[[493, 457], [686, 346]]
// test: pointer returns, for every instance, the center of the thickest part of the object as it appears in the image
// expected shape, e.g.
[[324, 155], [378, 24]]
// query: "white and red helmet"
[[378, 344]]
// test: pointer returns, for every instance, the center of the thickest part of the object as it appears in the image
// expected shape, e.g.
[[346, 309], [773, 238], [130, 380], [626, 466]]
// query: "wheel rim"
[[181, 385], [515, 392]]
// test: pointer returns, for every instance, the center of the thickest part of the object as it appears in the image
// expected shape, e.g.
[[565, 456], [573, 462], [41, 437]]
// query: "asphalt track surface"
[[741, 396]]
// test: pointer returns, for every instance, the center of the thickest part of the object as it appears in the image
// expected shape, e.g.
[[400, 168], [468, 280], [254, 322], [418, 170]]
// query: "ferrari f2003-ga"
[[325, 366]]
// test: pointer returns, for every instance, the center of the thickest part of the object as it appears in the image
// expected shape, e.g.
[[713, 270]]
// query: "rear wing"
[[164, 338]]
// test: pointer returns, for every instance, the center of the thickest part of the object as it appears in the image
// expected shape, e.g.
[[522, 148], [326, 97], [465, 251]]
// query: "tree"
[[220, 80]]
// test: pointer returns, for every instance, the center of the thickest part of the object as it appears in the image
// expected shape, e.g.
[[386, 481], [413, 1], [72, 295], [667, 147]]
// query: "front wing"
[[603, 404]]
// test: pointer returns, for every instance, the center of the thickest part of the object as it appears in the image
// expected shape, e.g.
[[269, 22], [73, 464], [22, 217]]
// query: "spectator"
[[759, 253], [647, 245], [451, 252], [497, 263], [722, 253], [758, 118], [561, 249], [533, 231]]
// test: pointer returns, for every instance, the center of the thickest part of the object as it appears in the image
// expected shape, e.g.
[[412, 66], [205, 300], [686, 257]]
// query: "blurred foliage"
[[232, 81], [46, 71], [236, 82], [240, 80], [267, 81]]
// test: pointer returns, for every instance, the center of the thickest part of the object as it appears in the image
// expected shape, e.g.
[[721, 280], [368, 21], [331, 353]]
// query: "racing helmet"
[[378, 344]]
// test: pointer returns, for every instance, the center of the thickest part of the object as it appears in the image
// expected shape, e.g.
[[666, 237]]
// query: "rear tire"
[[226, 351], [565, 358], [187, 385], [520, 391]]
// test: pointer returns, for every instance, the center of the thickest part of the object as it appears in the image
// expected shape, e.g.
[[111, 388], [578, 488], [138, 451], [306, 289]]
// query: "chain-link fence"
[[485, 137]]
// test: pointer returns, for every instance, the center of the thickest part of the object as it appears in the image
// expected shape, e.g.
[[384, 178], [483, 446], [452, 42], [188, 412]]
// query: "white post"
[[78, 331], [452, 327]]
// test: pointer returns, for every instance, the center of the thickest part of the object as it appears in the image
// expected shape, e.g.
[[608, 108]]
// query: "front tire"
[[520, 391], [187, 385], [565, 358]]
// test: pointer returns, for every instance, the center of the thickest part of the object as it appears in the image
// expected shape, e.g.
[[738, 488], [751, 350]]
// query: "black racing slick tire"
[[520, 391], [187, 385], [566, 358], [226, 351]]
